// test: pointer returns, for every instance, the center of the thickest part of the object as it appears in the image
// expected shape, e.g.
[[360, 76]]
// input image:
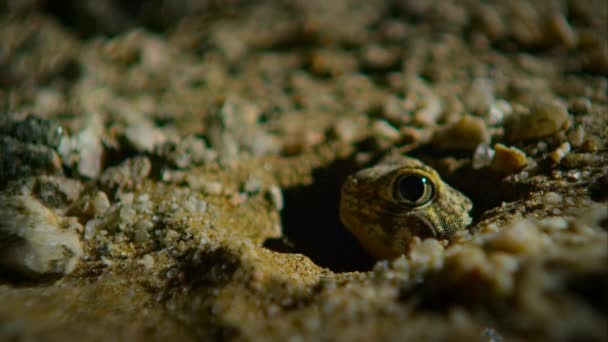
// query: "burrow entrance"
[[311, 223]]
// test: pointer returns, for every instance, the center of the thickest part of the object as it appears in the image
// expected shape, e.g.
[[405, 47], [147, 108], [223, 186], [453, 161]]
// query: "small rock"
[[581, 105], [394, 110], [127, 175], [186, 152], [252, 185], [198, 182], [577, 136], [34, 241], [383, 130], [234, 127], [147, 261], [560, 152], [57, 192], [480, 96], [560, 32], [465, 134], [508, 160], [591, 144], [85, 148], [543, 119], [377, 57], [276, 197], [483, 156], [144, 136], [499, 110], [491, 21], [552, 198], [425, 103], [90, 205], [19, 159], [520, 237], [580, 160], [347, 130], [33, 130], [194, 205], [325, 62]]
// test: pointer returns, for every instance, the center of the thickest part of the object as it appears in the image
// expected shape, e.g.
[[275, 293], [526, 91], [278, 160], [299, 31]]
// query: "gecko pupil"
[[412, 188]]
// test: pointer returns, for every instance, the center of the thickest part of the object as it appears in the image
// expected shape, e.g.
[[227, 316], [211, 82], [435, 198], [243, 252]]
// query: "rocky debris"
[[483, 156], [465, 134], [376, 57], [542, 119], [187, 152], [34, 241], [84, 149], [19, 159], [508, 160], [325, 62], [560, 152], [33, 130], [90, 204], [143, 136], [234, 127], [57, 192], [28, 147], [127, 176], [423, 102], [480, 96]]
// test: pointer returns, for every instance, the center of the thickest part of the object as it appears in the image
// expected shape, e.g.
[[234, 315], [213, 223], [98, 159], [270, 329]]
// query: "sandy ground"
[[172, 170]]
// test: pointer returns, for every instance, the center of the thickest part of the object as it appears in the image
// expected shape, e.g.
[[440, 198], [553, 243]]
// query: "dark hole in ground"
[[311, 225], [486, 189]]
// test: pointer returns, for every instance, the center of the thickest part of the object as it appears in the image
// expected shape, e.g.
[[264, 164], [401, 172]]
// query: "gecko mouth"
[[428, 229]]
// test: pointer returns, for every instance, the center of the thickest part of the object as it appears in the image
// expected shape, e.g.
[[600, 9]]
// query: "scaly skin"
[[383, 224]]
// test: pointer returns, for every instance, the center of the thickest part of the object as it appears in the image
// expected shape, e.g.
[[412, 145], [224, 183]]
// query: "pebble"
[[204, 185], [581, 105], [127, 175], [465, 134], [33, 130], [276, 197], [483, 156], [325, 62], [384, 130], [543, 119], [425, 103], [552, 198], [35, 240], [144, 136], [480, 96], [491, 21], [560, 31], [520, 237], [147, 261], [57, 191], [560, 152], [591, 144], [19, 159], [377, 57], [577, 136], [580, 160], [347, 130], [508, 160], [88, 147]]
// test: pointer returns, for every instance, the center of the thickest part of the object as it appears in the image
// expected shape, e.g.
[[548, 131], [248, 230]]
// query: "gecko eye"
[[413, 189]]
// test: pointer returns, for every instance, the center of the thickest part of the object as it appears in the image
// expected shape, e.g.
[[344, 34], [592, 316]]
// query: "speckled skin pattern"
[[384, 224]]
